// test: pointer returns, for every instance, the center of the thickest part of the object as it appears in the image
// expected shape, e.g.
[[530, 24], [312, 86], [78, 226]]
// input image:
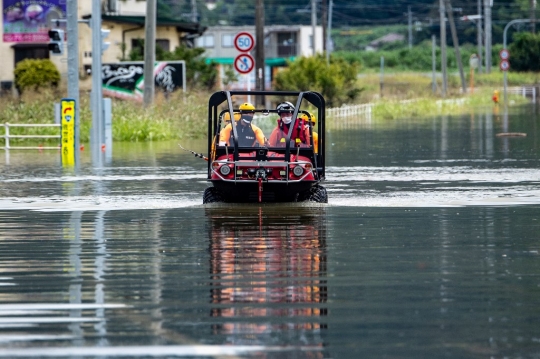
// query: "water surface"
[[428, 248]]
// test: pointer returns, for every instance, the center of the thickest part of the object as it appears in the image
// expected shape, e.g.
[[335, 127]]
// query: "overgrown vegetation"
[[335, 80], [179, 117], [35, 74], [525, 52]]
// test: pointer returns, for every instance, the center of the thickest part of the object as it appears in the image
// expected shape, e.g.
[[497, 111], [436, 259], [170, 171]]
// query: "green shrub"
[[525, 52], [336, 80], [35, 74]]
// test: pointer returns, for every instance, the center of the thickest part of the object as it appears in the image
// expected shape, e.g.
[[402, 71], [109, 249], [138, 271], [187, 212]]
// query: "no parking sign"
[[244, 63]]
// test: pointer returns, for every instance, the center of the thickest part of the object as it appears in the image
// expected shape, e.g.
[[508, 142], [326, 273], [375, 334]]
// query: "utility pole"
[[314, 23], [259, 48], [455, 41], [487, 34], [433, 64], [533, 16], [329, 33], [149, 52], [479, 35], [443, 48], [409, 16], [98, 126], [324, 10], [194, 14], [73, 68]]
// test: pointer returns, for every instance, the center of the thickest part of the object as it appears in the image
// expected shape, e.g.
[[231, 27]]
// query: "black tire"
[[317, 194], [212, 195]]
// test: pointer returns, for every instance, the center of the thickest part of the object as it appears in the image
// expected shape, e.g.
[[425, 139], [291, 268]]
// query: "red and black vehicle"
[[288, 172]]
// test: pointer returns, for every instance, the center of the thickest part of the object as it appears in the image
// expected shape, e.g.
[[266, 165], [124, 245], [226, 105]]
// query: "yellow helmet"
[[227, 116], [246, 106], [309, 118]]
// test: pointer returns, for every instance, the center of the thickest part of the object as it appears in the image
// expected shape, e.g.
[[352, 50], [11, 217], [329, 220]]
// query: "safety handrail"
[[6, 136]]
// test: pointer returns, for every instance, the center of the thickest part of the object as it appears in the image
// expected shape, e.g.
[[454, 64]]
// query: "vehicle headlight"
[[225, 170], [298, 171]]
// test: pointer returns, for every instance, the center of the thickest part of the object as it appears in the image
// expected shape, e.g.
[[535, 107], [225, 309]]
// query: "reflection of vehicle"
[[290, 173], [268, 275]]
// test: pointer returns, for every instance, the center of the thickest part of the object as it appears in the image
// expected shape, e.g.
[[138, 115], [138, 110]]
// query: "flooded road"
[[428, 248]]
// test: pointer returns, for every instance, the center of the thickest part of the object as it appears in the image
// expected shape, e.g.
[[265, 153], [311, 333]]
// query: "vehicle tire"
[[212, 195], [318, 194]]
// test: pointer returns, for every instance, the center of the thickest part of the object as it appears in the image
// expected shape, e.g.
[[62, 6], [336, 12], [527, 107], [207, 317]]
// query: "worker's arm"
[[225, 135], [260, 136]]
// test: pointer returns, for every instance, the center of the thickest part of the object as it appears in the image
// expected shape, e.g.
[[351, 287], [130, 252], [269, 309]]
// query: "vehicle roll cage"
[[314, 98]]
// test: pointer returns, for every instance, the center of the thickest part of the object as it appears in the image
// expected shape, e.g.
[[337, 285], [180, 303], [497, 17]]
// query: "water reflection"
[[268, 274]]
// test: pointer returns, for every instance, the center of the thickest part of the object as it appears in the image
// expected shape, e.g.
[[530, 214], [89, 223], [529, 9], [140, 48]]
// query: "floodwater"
[[428, 247]]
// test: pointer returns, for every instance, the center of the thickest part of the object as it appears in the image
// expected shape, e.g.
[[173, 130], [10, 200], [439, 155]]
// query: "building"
[[281, 43], [25, 33]]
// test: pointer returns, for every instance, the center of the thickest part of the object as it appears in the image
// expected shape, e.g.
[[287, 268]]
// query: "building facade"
[[281, 44], [25, 33]]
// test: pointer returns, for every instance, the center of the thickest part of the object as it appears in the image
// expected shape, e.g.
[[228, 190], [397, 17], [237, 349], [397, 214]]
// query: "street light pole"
[[517, 21]]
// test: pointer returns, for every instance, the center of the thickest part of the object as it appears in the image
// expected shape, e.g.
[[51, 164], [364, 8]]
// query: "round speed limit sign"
[[504, 54], [504, 65], [244, 42]]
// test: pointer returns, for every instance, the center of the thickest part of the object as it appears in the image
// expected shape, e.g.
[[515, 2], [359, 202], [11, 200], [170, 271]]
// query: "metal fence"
[[7, 136], [525, 91]]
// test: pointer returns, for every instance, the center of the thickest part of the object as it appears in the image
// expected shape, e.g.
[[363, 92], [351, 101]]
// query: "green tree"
[[525, 52], [36, 73], [336, 81]]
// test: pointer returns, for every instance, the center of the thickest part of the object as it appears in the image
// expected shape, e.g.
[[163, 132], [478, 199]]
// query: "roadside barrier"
[[525, 91], [7, 136]]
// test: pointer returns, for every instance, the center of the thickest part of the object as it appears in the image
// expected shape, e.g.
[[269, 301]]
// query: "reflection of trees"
[[268, 272]]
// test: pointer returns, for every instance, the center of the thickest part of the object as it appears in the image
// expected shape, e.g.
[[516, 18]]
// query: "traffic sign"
[[67, 107], [473, 61], [504, 54], [504, 65], [244, 63], [244, 42]]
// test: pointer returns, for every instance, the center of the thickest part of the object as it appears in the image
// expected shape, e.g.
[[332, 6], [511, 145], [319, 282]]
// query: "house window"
[[227, 40], [286, 44], [205, 41], [164, 44]]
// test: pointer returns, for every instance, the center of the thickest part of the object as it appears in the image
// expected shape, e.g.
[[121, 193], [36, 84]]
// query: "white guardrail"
[[7, 136], [525, 91]]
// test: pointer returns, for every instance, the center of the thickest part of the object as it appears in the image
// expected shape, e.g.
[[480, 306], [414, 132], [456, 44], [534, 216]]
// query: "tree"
[[525, 52], [36, 73], [336, 81]]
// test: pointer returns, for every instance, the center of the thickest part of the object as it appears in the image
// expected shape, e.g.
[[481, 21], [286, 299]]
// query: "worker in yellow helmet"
[[311, 120], [227, 116], [248, 134]]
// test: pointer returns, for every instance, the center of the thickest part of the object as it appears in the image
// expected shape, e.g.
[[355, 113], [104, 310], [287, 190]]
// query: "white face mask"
[[286, 120]]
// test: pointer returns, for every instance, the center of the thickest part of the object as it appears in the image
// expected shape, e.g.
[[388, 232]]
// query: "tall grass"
[[184, 116], [179, 116]]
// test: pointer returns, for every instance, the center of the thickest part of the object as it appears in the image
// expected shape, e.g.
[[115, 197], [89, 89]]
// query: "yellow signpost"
[[67, 107]]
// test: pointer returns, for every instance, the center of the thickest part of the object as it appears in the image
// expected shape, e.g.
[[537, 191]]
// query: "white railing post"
[[6, 136]]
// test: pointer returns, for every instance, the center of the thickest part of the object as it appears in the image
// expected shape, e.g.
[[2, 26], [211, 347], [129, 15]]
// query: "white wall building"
[[24, 36], [281, 43]]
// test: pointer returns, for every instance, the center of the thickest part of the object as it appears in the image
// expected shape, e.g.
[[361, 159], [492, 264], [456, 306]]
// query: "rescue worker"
[[248, 134], [311, 121], [495, 97], [300, 134]]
